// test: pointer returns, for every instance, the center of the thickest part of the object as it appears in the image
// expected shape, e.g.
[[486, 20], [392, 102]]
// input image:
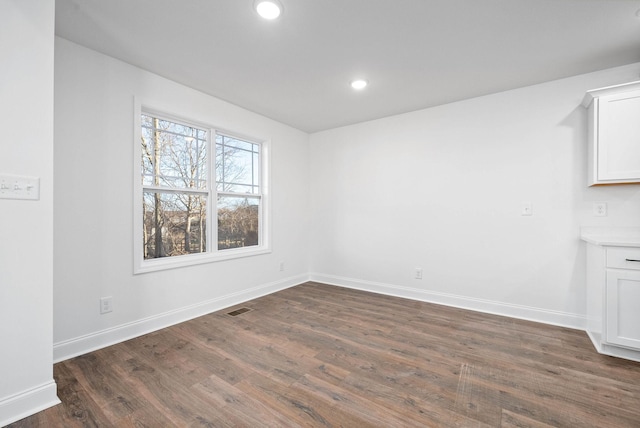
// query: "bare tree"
[[175, 158], [150, 153]]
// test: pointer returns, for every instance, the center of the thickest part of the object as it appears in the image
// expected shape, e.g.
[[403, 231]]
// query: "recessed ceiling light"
[[268, 9], [359, 84]]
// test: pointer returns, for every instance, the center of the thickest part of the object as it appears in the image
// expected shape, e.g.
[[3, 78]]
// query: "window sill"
[[166, 263]]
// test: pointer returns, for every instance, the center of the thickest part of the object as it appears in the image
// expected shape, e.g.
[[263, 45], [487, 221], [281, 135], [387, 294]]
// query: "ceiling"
[[414, 53]]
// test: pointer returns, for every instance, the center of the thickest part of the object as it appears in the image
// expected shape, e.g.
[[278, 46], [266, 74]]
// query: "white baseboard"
[[613, 350], [528, 313], [91, 342], [27, 403]]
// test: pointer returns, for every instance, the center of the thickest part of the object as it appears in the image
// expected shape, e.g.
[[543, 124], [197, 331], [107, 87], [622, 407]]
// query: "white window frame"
[[212, 253]]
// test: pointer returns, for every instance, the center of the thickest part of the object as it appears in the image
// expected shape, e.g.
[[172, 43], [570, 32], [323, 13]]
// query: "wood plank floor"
[[317, 355]]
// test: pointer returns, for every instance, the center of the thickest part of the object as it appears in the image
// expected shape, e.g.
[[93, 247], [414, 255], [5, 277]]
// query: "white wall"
[[441, 189], [94, 100], [26, 227]]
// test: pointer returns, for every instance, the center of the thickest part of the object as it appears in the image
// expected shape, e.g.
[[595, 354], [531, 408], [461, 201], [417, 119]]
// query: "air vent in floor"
[[238, 312]]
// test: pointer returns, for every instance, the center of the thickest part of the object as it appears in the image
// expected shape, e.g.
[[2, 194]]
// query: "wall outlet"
[[600, 209], [106, 304], [281, 266], [418, 273]]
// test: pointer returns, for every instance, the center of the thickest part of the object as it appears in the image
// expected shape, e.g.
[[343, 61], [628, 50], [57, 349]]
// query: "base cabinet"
[[613, 300], [623, 308]]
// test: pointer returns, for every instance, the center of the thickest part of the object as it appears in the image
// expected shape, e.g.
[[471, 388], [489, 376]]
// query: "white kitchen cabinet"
[[613, 295], [614, 134], [623, 308]]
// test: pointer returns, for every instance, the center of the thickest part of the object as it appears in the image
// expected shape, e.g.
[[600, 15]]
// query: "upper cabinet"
[[614, 134]]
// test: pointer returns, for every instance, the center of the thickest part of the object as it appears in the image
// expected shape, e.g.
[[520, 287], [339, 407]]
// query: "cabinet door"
[[618, 148], [623, 308]]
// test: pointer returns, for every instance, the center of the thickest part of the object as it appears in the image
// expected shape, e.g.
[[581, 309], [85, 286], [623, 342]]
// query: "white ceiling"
[[415, 53]]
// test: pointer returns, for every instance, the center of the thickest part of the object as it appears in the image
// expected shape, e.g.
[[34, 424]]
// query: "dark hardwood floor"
[[320, 356]]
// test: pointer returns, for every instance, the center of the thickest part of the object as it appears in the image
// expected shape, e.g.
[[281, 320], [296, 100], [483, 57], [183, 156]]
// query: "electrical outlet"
[[106, 304], [600, 209], [418, 273], [281, 266]]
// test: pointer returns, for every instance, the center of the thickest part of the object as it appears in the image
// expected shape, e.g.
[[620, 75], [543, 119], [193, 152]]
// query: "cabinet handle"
[[632, 260]]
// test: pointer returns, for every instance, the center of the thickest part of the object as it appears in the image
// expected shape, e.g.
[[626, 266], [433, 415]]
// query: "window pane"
[[146, 120], [173, 155], [174, 224], [237, 221], [235, 143], [237, 165]]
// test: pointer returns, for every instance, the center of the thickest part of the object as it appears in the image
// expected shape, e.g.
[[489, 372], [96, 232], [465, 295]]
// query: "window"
[[201, 192], [238, 192]]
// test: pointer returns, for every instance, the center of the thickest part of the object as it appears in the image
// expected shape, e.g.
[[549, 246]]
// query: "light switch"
[[19, 187], [527, 209]]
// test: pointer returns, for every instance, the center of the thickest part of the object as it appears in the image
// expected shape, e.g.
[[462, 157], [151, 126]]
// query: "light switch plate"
[[19, 187], [527, 209]]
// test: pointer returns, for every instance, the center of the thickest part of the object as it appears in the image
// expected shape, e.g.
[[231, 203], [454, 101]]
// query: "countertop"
[[612, 236]]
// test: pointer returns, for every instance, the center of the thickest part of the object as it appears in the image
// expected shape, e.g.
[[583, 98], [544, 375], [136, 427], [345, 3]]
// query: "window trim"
[[140, 265]]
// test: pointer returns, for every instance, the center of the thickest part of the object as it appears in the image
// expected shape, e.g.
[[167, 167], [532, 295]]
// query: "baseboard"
[[528, 313], [81, 345], [613, 350], [91, 342], [595, 339], [27, 403]]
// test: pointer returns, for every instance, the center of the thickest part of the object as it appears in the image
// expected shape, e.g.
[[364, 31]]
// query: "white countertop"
[[612, 236]]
